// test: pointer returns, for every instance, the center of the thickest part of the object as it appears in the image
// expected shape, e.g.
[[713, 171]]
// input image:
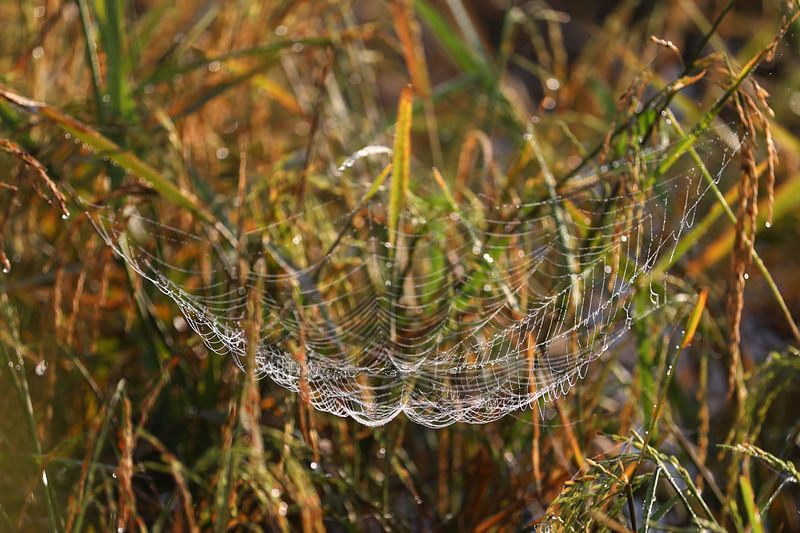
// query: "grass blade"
[[750, 505], [24, 394], [93, 459], [110, 21], [647, 509], [400, 164]]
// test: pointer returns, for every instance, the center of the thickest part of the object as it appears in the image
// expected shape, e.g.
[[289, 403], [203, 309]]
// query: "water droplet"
[[41, 368], [488, 258], [275, 492], [283, 507], [44, 478], [381, 453], [6, 270], [65, 215], [487, 287], [296, 239], [313, 465], [624, 238], [388, 283], [768, 224], [746, 275]]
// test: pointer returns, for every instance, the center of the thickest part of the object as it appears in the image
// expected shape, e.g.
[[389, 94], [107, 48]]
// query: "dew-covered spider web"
[[473, 307]]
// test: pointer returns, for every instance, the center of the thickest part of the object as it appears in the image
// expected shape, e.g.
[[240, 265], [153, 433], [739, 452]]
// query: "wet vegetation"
[[116, 416]]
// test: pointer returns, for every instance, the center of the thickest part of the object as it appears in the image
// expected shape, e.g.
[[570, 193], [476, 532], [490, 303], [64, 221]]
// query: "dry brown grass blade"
[[610, 523], [703, 416], [127, 498], [300, 190], [567, 428], [155, 388], [535, 452], [666, 43], [304, 408], [466, 161], [401, 161], [442, 485], [101, 300], [499, 517], [250, 410], [410, 34], [694, 318], [76, 303]]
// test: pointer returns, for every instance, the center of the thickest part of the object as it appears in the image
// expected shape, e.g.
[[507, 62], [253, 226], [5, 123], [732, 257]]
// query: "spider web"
[[471, 313]]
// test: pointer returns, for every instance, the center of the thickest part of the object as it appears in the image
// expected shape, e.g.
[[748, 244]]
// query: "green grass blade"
[[561, 218], [457, 49], [24, 396], [106, 413], [110, 21], [647, 509], [269, 50], [91, 58], [750, 505]]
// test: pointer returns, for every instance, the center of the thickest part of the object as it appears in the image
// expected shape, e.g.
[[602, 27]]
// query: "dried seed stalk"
[[745, 229], [38, 168]]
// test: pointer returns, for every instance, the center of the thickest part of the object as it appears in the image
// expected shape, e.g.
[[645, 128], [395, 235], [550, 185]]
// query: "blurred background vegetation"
[[115, 416]]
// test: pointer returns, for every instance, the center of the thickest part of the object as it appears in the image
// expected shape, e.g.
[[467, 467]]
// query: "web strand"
[[471, 315]]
